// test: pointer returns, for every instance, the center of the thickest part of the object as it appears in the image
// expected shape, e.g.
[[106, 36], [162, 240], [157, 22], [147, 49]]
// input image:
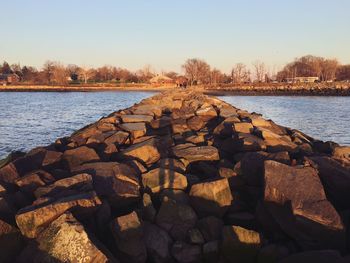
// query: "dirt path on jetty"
[[178, 177]]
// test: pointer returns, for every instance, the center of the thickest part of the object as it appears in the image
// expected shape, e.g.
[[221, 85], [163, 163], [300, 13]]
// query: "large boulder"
[[195, 123], [136, 118], [79, 183], [335, 178], [210, 227], [243, 127], [136, 130], [251, 166], [146, 151], [157, 243], [294, 196], [240, 244], [11, 242], [193, 153], [119, 137], [160, 178], [129, 237], [211, 198], [33, 219], [75, 157], [176, 218], [172, 164], [66, 240], [243, 142], [186, 253], [275, 142], [117, 182], [30, 182]]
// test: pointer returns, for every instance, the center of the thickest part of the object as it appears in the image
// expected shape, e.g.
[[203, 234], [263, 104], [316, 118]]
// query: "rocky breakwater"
[[179, 177]]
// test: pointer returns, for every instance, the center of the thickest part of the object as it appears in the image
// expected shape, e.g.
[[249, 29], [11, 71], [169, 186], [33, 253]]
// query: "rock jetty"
[[179, 177]]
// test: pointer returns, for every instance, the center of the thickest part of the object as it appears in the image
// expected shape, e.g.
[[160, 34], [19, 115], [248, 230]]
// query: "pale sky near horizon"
[[164, 33]]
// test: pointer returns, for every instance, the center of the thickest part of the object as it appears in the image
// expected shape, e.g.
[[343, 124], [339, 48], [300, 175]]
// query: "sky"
[[164, 33]]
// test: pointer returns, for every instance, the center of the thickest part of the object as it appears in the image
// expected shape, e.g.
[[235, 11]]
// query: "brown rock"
[[299, 205], [146, 151], [148, 210], [335, 179], [194, 153], [240, 244], [157, 243], [251, 166], [160, 178], [128, 234], [206, 112], [183, 112], [243, 142], [11, 242], [211, 198], [211, 228], [162, 122], [66, 240], [211, 251], [99, 138], [118, 138], [179, 126], [172, 164], [78, 156], [34, 219], [119, 183], [228, 111], [177, 195], [342, 152], [153, 110], [186, 253], [243, 127], [176, 218], [195, 123], [136, 130], [275, 142], [30, 182], [136, 118], [79, 182]]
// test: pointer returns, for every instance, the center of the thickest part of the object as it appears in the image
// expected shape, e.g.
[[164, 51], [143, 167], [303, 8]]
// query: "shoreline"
[[319, 89]]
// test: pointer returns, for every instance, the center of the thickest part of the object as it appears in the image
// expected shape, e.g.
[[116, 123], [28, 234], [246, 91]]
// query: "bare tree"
[[48, 71], [60, 74], [197, 71], [329, 69], [260, 70], [86, 73], [240, 73]]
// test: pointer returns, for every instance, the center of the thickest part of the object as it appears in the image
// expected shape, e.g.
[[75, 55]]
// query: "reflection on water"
[[30, 119], [325, 118]]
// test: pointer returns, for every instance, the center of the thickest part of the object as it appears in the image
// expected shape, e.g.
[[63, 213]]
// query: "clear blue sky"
[[163, 33]]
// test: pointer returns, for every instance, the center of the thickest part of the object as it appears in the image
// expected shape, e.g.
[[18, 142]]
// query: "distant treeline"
[[197, 71]]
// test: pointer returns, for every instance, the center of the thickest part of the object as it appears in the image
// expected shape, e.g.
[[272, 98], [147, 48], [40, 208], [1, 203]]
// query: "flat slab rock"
[[193, 153]]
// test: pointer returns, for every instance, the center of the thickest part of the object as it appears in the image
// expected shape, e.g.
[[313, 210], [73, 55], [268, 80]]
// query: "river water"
[[30, 119]]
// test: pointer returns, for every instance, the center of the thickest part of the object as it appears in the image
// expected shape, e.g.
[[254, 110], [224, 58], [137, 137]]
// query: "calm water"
[[30, 119], [325, 118]]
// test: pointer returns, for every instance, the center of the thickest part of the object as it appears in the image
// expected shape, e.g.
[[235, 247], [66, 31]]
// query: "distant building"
[[302, 80], [161, 79], [6, 79]]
